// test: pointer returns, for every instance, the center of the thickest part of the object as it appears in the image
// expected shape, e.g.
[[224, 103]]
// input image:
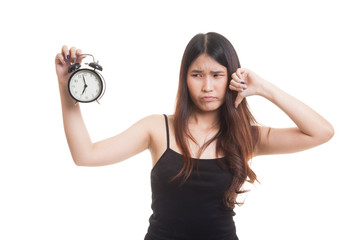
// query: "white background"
[[308, 48]]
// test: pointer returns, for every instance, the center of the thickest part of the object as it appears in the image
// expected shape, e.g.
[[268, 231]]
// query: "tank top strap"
[[167, 131]]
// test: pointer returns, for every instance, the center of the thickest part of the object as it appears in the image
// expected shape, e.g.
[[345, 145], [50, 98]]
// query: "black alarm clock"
[[86, 84]]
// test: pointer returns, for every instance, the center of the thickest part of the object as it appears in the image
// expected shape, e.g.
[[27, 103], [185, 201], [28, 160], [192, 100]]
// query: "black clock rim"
[[101, 87]]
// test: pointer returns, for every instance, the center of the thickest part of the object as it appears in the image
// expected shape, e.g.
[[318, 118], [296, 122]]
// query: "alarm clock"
[[86, 84]]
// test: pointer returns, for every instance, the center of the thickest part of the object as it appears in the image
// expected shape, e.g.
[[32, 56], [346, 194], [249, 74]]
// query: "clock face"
[[85, 85]]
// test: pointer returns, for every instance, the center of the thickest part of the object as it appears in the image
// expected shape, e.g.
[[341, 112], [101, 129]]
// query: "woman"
[[200, 154]]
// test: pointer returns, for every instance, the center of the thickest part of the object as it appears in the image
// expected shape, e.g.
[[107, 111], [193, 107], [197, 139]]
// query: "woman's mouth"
[[208, 98]]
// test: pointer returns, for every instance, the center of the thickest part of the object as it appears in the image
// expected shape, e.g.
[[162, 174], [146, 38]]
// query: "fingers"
[[237, 77], [70, 55], [241, 75], [238, 83], [238, 100], [239, 80], [236, 86], [79, 56], [65, 52], [59, 59], [241, 72], [240, 88]]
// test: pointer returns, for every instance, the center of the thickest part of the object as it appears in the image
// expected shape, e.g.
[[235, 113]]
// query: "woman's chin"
[[208, 108]]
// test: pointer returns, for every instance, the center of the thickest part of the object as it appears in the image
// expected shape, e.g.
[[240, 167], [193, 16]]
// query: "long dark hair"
[[238, 132]]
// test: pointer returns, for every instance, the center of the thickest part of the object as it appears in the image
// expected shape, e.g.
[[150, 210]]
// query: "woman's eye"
[[196, 75]]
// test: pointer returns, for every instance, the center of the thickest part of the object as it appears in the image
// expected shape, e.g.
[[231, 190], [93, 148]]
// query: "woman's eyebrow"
[[200, 71]]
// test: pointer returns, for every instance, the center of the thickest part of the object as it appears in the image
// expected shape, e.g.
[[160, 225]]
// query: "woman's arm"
[[312, 129], [85, 153]]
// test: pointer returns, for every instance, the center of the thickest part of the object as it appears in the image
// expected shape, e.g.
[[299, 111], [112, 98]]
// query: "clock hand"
[[83, 90], [85, 85], [84, 80]]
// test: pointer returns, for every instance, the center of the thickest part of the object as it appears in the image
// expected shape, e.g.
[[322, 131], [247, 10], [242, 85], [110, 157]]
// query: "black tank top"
[[194, 210]]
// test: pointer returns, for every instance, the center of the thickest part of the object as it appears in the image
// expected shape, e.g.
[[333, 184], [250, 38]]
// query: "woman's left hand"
[[246, 83]]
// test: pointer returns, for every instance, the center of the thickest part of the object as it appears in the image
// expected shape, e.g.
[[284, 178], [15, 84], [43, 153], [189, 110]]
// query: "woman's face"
[[207, 83]]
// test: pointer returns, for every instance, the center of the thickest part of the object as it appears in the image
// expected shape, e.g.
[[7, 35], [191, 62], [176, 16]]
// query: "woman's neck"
[[204, 120]]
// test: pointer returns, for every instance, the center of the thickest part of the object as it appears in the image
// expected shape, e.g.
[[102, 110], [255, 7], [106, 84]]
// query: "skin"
[[207, 83], [206, 77]]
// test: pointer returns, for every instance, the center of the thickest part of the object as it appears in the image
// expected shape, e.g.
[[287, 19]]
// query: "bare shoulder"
[[155, 125], [157, 120], [157, 131], [153, 121]]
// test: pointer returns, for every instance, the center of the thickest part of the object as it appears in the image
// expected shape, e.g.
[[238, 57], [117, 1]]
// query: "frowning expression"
[[207, 83]]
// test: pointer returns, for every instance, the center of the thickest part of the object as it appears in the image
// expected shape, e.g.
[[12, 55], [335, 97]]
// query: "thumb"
[[238, 100]]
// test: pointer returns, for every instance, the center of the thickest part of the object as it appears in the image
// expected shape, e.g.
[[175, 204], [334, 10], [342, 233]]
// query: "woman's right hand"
[[63, 61]]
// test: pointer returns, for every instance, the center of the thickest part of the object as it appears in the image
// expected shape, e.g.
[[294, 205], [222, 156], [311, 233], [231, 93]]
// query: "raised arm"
[[83, 150], [312, 129]]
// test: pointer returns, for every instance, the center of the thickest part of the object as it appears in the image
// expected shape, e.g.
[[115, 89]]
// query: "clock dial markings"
[[85, 86]]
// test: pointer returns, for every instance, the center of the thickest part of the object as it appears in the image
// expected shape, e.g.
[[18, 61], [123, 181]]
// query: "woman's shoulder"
[[158, 117], [155, 118], [156, 127], [156, 122]]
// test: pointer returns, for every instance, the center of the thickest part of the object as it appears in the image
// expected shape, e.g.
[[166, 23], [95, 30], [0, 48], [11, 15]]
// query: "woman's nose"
[[207, 84]]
